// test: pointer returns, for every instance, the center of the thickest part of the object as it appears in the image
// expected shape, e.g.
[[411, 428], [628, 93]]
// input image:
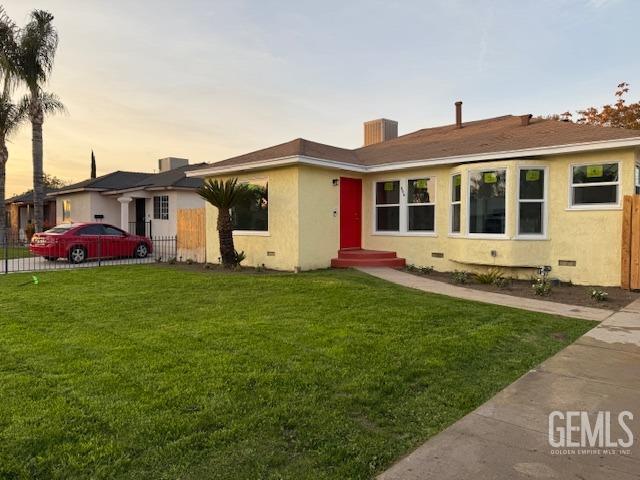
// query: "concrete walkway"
[[508, 437], [435, 286]]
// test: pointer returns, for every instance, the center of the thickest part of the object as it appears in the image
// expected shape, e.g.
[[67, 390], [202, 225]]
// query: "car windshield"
[[60, 228]]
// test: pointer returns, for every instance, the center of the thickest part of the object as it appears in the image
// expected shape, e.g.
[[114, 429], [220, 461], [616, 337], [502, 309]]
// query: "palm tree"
[[224, 196], [11, 115], [37, 44]]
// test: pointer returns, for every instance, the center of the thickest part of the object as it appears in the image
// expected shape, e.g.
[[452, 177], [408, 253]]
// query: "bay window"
[[487, 202], [595, 184], [456, 181], [531, 201]]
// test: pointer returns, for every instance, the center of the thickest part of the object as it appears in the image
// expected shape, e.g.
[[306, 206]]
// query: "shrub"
[[426, 270], [460, 277], [541, 286], [189, 261], [598, 295], [412, 268], [239, 257], [490, 277], [502, 282]]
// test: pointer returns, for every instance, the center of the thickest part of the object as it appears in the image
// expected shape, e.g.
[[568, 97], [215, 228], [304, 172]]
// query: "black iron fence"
[[141, 227], [18, 254]]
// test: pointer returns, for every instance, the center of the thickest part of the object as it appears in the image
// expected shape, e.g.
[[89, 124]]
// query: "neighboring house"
[[141, 203], [512, 192], [20, 213]]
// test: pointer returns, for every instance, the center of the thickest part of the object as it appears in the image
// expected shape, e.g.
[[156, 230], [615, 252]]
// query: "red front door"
[[350, 212]]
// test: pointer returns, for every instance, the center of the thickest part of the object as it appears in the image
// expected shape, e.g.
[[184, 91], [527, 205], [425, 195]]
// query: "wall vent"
[[567, 263], [437, 254]]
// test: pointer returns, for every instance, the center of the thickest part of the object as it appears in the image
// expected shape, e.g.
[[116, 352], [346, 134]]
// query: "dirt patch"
[[561, 293]]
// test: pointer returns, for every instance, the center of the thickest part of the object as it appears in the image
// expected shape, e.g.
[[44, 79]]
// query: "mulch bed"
[[563, 293]]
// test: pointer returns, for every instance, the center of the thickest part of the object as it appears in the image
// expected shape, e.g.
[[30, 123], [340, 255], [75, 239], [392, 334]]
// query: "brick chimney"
[[381, 130]]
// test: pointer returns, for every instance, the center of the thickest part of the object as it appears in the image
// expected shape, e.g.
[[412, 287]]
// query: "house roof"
[[111, 181], [119, 180], [172, 178], [481, 137], [27, 197]]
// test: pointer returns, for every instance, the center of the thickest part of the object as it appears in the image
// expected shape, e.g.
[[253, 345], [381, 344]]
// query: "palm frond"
[[225, 194], [37, 45], [11, 116]]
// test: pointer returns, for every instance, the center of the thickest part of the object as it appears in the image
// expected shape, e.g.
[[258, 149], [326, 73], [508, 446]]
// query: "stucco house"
[[20, 213], [141, 203], [512, 191]]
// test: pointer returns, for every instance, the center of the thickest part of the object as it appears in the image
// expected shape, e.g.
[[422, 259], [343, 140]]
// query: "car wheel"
[[77, 254], [141, 251]]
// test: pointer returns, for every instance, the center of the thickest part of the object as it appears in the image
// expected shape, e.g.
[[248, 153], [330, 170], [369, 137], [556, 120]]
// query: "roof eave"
[[276, 162], [76, 190]]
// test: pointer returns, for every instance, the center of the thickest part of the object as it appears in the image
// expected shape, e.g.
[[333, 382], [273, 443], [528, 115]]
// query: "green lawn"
[[14, 252], [157, 372]]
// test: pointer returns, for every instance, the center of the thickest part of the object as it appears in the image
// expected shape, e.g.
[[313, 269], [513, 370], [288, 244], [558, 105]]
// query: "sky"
[[209, 79]]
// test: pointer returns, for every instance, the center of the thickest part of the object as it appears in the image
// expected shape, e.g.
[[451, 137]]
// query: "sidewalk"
[[507, 437], [434, 286]]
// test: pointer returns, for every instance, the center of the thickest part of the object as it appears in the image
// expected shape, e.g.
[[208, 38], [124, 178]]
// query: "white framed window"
[[594, 186], [421, 214], [161, 207], [532, 202], [405, 206], [487, 205], [387, 208], [456, 204], [637, 179], [252, 216]]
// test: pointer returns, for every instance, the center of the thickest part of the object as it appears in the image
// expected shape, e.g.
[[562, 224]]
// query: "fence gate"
[[191, 235], [630, 274]]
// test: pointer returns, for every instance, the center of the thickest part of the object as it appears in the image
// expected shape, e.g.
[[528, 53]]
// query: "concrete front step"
[[360, 254], [367, 258]]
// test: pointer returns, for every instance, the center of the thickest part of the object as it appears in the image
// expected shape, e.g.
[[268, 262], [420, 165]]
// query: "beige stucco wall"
[[304, 223], [591, 238], [319, 216], [277, 248]]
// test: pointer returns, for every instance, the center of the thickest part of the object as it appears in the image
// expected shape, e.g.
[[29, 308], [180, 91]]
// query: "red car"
[[81, 241]]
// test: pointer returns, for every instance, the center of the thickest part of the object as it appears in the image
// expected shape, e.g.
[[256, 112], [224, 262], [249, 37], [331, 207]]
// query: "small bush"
[[412, 268], [460, 277], [502, 282], [598, 295], [172, 261], [490, 277], [239, 257], [541, 286], [426, 270], [189, 261]]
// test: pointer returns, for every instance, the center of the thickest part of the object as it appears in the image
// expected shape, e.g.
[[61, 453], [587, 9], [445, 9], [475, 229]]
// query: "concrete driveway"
[[508, 437]]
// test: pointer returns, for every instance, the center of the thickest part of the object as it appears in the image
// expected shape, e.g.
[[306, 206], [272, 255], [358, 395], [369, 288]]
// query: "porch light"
[[335, 182]]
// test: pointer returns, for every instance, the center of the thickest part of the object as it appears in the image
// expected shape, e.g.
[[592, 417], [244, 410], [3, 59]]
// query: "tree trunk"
[[4, 156], [37, 119], [225, 235]]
